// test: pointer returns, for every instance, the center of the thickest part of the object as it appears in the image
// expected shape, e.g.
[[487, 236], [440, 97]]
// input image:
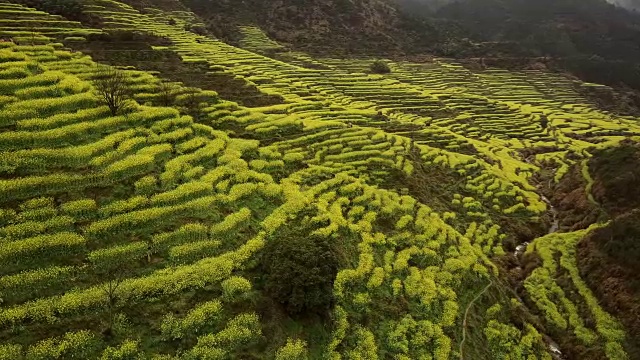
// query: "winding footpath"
[[466, 314]]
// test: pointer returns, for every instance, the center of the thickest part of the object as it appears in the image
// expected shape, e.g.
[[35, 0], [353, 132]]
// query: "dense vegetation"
[[592, 39], [167, 195], [608, 262], [70, 9], [299, 269]]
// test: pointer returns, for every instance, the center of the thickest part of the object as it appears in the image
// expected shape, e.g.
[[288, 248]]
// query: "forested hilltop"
[[313, 180], [592, 39]]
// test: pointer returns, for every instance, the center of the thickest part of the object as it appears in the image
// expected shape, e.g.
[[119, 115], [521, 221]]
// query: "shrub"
[[299, 271], [197, 320], [544, 122], [196, 29], [379, 67], [293, 350], [235, 288], [75, 38], [128, 350], [73, 345]]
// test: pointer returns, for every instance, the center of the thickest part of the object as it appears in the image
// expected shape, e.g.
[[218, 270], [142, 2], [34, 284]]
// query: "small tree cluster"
[[379, 67]]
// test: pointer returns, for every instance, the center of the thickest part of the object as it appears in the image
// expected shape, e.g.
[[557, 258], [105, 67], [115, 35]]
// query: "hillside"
[[165, 194], [591, 39], [357, 26]]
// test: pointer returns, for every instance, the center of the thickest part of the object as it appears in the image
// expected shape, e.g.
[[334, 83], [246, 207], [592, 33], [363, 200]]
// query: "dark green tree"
[[544, 122], [299, 271], [379, 67]]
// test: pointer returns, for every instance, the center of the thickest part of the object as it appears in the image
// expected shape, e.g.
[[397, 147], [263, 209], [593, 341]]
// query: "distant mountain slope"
[[319, 24], [551, 27], [592, 39]]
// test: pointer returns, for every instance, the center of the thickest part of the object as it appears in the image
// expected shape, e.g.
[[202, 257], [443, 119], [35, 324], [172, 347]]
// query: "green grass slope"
[[194, 227]]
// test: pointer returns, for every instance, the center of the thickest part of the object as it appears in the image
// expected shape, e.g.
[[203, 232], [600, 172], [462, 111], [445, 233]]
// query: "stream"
[[554, 349], [555, 225]]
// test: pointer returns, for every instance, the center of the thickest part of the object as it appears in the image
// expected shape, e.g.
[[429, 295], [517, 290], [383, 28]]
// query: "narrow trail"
[[466, 314]]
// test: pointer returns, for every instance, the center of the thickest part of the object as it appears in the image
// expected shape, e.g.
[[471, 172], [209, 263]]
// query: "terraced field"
[[143, 234]]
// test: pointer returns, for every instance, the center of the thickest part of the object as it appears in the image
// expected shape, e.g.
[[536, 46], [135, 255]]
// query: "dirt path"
[[466, 314]]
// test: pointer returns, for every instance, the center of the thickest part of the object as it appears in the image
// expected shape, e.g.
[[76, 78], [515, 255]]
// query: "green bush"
[[379, 67], [299, 271], [196, 29], [293, 350]]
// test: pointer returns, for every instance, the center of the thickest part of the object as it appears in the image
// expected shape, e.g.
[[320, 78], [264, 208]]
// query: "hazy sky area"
[[630, 4]]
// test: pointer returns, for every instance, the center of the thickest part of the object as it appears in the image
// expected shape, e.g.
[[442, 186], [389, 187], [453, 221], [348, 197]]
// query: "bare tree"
[[32, 30], [166, 94], [113, 89], [191, 103], [110, 290]]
